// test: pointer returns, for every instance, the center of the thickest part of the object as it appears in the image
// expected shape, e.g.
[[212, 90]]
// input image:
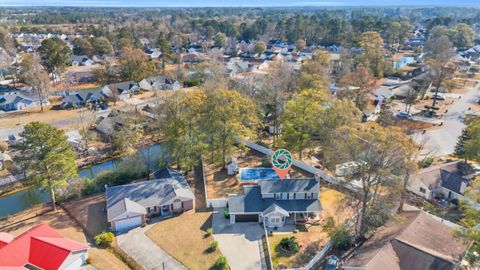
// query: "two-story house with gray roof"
[[276, 202]]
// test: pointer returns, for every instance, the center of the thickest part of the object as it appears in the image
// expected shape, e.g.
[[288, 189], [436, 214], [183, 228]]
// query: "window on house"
[[308, 195], [422, 190], [278, 196], [275, 220]]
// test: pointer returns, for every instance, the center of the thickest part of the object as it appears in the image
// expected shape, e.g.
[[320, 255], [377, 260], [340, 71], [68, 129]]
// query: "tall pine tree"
[[460, 147]]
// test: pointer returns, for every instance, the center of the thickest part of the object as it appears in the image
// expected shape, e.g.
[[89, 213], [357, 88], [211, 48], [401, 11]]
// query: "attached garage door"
[[127, 224], [246, 218]]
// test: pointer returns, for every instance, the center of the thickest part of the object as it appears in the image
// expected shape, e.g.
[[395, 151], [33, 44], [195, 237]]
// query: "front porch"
[[303, 218], [166, 210], [278, 221]]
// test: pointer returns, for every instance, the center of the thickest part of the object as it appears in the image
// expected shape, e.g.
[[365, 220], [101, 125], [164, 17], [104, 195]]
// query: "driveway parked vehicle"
[[438, 97], [404, 115], [332, 263]]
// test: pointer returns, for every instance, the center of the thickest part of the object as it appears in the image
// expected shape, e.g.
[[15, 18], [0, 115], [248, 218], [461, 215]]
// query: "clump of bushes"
[[426, 162], [209, 231], [342, 239], [266, 161], [191, 83], [128, 170], [220, 263], [104, 239], [289, 245], [213, 246]]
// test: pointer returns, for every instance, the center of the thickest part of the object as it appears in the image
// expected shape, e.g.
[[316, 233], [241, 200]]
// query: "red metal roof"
[[41, 246], [5, 238]]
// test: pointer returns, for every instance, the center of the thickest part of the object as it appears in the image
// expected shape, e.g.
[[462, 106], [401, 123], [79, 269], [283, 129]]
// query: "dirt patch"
[[185, 238], [90, 212], [220, 184]]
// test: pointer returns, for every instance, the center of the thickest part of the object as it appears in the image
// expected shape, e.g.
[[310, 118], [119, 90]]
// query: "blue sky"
[[230, 3]]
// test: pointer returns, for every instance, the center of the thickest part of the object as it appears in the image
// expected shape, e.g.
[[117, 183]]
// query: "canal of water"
[[26, 198]]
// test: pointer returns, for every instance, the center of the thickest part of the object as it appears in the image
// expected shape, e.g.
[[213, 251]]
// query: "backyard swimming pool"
[[258, 174]]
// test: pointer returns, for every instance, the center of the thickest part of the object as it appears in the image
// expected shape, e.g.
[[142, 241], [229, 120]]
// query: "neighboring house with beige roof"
[[449, 180], [415, 241]]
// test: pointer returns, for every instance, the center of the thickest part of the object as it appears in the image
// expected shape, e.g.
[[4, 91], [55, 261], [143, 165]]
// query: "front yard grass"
[[185, 238], [311, 238]]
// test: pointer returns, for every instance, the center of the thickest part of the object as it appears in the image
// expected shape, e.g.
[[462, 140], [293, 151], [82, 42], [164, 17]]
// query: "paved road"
[[239, 242], [5, 132], [442, 141], [145, 252]]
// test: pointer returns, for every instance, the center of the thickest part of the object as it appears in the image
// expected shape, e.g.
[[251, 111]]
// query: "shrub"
[[289, 244], [220, 263], [191, 83], [89, 187], [213, 246], [209, 231], [426, 162], [3, 146], [342, 239], [226, 213], [104, 239], [266, 162]]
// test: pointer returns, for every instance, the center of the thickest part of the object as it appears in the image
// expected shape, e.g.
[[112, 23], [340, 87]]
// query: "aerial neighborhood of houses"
[[268, 138]]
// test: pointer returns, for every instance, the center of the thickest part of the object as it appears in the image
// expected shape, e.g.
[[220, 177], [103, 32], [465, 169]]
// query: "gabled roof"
[[41, 246], [415, 242], [148, 193], [290, 185], [275, 209], [122, 86], [252, 202], [5, 238], [449, 175], [452, 181], [124, 206]]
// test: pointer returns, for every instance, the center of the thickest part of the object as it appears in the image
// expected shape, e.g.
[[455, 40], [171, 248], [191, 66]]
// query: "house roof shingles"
[[449, 175], [290, 185], [417, 242], [252, 202], [148, 193]]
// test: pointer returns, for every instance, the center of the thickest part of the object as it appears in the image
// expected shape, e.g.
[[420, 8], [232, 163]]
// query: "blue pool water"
[[258, 174]]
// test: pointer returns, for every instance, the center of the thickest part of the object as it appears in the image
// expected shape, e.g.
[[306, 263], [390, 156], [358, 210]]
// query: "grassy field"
[[184, 238], [312, 238], [102, 259]]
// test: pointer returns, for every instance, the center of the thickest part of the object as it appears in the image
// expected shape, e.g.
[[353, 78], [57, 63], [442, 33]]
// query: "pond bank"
[[16, 202]]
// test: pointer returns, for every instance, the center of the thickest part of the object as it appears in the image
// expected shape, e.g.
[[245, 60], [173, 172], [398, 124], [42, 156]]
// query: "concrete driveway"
[[442, 141], [145, 252], [240, 242]]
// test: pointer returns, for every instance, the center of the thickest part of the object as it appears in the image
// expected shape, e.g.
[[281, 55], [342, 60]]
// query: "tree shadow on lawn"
[[207, 224]]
